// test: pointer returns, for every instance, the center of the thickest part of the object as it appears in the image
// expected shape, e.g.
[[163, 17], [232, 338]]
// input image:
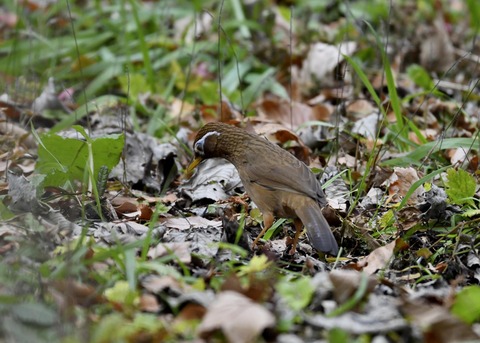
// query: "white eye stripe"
[[201, 142], [213, 133]]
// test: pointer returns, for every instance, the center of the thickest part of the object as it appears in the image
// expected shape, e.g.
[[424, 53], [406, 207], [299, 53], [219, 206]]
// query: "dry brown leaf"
[[408, 217], [178, 107], [169, 198], [19, 134], [429, 134], [149, 303], [70, 292], [346, 282], [124, 205], [342, 92], [400, 182], [378, 258], [258, 288], [347, 161], [10, 110], [458, 157], [367, 127], [437, 323], [276, 133], [145, 212], [360, 108], [474, 163], [181, 251], [240, 319], [291, 114], [191, 311], [321, 60], [157, 284]]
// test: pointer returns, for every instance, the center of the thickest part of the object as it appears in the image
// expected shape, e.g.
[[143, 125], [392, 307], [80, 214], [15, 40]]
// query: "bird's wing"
[[287, 173]]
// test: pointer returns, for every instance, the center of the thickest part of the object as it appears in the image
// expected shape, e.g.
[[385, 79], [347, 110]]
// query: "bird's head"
[[206, 144]]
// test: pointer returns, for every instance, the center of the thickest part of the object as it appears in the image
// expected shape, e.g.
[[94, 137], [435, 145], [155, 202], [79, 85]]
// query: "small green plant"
[[420, 76], [467, 304], [296, 293], [66, 160], [460, 187]]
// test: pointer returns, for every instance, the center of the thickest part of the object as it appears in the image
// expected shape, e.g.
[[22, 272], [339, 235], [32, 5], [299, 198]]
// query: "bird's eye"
[[209, 140], [199, 148]]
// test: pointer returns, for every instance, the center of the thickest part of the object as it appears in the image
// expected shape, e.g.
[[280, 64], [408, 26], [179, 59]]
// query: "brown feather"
[[275, 180]]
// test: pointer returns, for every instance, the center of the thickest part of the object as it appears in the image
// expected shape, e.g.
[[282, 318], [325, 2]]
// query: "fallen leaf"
[[145, 212], [322, 59], [400, 182], [189, 222], [378, 258], [215, 179], [180, 250], [159, 284], [149, 303], [191, 311], [240, 319], [292, 114], [437, 323], [346, 282]]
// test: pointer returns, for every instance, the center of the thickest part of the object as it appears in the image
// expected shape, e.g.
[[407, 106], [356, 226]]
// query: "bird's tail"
[[318, 230]]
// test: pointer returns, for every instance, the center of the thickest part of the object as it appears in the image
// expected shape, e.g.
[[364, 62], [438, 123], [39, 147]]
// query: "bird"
[[276, 181]]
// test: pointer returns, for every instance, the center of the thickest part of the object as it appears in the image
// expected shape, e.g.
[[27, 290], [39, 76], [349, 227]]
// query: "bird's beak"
[[192, 166]]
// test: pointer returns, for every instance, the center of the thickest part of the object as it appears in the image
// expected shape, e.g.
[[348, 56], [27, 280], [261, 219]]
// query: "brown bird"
[[278, 183]]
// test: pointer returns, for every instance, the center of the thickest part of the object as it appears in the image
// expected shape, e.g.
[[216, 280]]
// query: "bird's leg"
[[267, 223], [298, 230]]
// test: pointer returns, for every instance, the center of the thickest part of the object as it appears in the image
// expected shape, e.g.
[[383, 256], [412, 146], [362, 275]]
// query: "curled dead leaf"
[[378, 258], [240, 319]]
